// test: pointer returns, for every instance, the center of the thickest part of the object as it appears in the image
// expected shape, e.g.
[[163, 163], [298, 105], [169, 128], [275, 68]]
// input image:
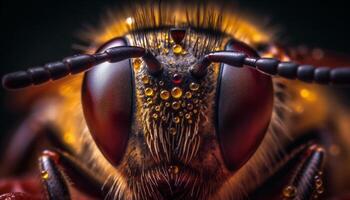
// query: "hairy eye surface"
[[107, 103], [245, 99]]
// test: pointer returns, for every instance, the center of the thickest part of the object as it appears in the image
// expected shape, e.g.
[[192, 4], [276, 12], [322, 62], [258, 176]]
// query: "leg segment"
[[300, 178], [55, 185], [82, 178], [306, 180]]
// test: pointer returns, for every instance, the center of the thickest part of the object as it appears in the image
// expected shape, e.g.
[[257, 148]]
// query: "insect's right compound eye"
[[107, 95], [245, 99]]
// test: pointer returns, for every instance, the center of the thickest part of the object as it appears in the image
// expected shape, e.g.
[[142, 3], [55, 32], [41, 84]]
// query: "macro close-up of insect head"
[[143, 100]]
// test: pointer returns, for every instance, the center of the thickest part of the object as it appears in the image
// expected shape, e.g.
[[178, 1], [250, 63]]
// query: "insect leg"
[[54, 182], [82, 178], [300, 178]]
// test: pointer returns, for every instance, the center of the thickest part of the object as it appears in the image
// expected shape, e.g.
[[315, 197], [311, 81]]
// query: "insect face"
[[167, 123], [178, 108]]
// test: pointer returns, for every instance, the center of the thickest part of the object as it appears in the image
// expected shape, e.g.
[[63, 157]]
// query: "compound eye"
[[244, 110], [242, 47], [107, 103]]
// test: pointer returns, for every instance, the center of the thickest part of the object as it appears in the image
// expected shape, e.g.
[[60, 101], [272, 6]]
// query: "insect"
[[177, 102]]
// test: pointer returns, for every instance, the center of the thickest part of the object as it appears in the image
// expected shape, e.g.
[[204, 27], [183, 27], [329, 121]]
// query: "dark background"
[[35, 32]]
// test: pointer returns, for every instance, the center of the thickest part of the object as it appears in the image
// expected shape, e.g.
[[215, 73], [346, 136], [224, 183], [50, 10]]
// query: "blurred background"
[[40, 31]]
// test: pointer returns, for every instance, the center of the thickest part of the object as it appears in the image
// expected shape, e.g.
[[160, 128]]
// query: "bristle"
[[211, 18]]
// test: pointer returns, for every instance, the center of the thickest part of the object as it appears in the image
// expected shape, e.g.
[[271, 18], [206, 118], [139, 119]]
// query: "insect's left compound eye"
[[244, 110], [107, 103]]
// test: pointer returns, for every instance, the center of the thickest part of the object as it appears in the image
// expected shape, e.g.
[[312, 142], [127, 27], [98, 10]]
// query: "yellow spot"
[[149, 100], [176, 120], [149, 92], [175, 105], [285, 58], [176, 92], [194, 86], [268, 55], [68, 138], [45, 175], [145, 79], [307, 95], [164, 94], [157, 108], [137, 63], [304, 93], [155, 116], [289, 191], [177, 49], [257, 38], [188, 95]]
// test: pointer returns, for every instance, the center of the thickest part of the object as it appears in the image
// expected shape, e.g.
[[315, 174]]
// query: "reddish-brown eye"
[[244, 110], [107, 103], [242, 47]]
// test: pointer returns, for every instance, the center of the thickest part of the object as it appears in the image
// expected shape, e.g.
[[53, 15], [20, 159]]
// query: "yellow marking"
[[137, 64], [149, 92], [194, 86], [45, 175], [164, 94], [176, 120], [177, 49], [176, 92], [145, 79], [307, 95], [69, 138], [188, 95]]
